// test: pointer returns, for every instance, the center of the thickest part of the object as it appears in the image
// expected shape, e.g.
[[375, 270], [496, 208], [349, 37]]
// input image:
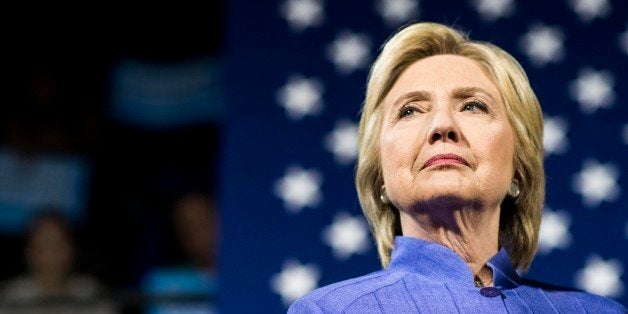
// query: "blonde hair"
[[521, 217]]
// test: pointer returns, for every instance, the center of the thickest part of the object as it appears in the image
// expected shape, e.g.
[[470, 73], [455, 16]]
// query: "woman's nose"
[[444, 128]]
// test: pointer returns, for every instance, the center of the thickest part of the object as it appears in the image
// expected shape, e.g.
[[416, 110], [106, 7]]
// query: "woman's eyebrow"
[[414, 95], [463, 92]]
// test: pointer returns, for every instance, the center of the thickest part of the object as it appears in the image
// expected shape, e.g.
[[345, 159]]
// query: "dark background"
[[57, 100]]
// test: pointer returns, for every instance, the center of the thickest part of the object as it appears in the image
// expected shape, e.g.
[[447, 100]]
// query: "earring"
[[383, 196], [513, 189]]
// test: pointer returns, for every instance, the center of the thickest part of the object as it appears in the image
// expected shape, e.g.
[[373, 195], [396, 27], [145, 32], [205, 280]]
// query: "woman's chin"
[[444, 197], [446, 183]]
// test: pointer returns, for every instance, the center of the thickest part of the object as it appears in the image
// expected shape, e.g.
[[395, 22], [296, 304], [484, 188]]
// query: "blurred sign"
[[28, 184], [180, 290], [166, 96]]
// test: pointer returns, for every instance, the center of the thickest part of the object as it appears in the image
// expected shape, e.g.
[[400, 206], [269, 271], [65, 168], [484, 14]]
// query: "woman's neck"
[[51, 283], [470, 232]]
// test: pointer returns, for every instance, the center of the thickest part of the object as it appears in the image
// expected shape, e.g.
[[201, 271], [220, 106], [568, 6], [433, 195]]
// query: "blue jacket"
[[426, 277]]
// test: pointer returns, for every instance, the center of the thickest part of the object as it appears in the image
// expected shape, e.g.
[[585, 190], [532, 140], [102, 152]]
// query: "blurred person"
[[196, 228], [190, 285], [51, 283]]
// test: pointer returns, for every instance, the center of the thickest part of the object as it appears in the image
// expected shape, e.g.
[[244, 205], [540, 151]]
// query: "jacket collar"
[[439, 263]]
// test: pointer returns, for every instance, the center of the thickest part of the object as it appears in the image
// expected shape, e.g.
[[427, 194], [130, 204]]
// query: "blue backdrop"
[[296, 78]]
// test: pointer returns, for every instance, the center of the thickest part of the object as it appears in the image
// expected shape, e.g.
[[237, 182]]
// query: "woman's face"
[[50, 249], [445, 135]]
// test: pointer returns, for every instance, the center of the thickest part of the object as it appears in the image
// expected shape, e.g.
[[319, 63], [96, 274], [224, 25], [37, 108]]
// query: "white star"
[[588, 10], [343, 142], [396, 12], [302, 14], [299, 188], [554, 139], [301, 97], [347, 235], [593, 90], [601, 277], [492, 10], [294, 281], [596, 183], [543, 44], [349, 52], [554, 231], [623, 40]]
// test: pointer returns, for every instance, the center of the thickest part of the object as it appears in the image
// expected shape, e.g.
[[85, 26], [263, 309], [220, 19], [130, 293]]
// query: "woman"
[[51, 284], [450, 177]]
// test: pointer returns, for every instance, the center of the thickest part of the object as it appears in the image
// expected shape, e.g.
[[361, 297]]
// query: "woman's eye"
[[474, 106], [407, 111]]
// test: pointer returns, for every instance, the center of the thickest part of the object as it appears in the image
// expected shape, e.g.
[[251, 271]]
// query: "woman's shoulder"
[[589, 301], [340, 295], [19, 288]]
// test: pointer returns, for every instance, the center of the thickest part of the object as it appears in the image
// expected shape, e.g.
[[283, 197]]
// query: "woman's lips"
[[444, 159]]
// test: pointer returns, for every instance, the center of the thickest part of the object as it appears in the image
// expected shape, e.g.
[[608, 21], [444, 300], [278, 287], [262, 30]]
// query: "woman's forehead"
[[443, 73]]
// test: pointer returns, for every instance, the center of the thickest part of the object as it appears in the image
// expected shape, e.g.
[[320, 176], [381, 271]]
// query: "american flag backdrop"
[[296, 77]]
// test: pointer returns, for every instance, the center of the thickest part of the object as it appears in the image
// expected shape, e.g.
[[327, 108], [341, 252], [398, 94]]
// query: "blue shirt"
[[427, 277]]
